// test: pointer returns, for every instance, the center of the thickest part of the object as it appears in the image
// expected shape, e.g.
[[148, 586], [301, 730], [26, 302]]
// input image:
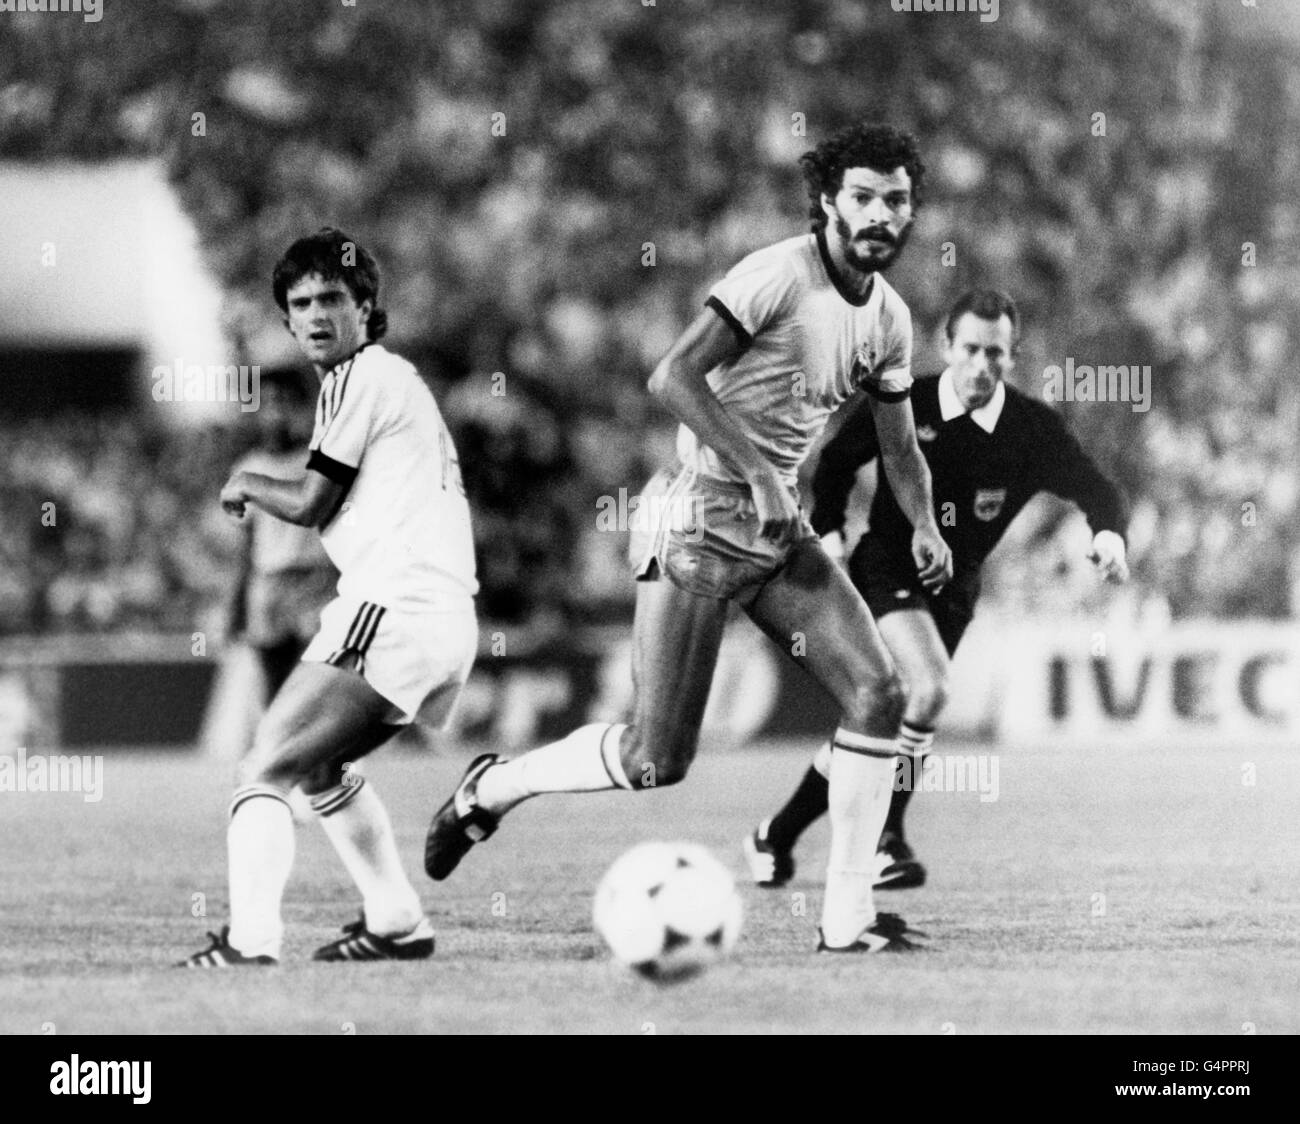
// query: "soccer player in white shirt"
[[790, 334], [383, 485]]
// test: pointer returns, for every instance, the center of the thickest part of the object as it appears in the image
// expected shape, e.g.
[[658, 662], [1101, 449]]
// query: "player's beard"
[[869, 261]]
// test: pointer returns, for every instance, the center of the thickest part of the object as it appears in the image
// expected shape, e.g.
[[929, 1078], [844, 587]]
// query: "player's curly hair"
[[879, 147], [334, 256]]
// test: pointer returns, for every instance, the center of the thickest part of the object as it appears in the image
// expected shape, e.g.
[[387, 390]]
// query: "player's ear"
[[285, 321]]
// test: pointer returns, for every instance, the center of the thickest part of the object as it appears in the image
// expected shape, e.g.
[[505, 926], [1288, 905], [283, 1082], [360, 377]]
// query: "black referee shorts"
[[888, 582]]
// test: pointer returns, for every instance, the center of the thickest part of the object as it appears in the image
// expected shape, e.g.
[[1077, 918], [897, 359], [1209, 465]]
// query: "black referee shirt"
[[981, 480]]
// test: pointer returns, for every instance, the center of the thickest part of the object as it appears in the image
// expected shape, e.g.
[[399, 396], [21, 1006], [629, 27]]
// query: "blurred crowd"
[[112, 524], [551, 187], [112, 521]]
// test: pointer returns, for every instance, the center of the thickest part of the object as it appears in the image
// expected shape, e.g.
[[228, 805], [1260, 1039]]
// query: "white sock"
[[862, 773], [585, 761], [260, 842], [354, 820], [822, 760]]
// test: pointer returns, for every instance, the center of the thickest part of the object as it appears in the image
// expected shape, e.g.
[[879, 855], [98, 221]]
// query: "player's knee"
[[656, 760], [256, 769], [270, 762], [877, 704], [927, 698]]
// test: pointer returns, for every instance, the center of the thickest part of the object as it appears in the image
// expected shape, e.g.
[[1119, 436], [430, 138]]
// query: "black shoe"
[[768, 866], [888, 933], [359, 943], [220, 954], [896, 867], [459, 823]]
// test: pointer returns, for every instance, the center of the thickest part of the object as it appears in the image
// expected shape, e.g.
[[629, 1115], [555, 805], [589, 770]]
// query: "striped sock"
[[862, 768], [914, 742], [355, 822], [260, 843]]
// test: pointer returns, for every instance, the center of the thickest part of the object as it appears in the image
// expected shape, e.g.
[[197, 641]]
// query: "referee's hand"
[[1110, 557]]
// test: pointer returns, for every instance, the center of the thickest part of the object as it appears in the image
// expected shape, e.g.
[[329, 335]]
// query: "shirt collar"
[[986, 417], [828, 264]]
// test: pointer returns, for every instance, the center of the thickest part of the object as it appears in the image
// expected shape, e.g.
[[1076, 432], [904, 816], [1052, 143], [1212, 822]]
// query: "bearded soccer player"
[[383, 486], [990, 449], [790, 334]]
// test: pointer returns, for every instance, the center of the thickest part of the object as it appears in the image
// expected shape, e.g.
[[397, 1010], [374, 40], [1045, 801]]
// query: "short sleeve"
[[346, 420], [890, 377], [751, 295]]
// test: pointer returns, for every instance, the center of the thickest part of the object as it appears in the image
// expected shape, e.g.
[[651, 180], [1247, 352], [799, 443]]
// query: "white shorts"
[[418, 661]]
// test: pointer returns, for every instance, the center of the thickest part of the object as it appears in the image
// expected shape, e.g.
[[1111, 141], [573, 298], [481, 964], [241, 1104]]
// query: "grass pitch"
[[1107, 891]]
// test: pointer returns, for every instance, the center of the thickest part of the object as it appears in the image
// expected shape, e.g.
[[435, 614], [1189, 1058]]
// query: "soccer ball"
[[668, 910]]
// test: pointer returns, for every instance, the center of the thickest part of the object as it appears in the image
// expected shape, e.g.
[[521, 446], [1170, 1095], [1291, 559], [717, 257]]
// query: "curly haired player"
[[790, 334]]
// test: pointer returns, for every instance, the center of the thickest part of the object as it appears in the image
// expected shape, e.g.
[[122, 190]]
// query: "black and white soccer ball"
[[668, 910]]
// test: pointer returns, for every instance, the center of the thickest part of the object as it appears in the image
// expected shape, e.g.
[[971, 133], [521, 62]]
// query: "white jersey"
[[401, 537], [810, 344]]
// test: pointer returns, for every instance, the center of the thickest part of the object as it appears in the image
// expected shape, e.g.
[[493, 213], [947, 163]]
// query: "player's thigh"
[[675, 640], [811, 609], [322, 715], [913, 639]]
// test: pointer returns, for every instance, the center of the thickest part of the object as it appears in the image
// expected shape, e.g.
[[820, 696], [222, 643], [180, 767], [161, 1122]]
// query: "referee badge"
[[988, 503]]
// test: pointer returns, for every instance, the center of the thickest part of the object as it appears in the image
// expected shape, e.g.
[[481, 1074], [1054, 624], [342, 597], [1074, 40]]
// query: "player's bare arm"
[[909, 475], [680, 382], [307, 502]]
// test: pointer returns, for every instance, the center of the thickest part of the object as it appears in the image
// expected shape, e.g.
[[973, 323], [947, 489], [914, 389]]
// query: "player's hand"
[[1109, 556], [233, 496], [833, 544], [778, 512], [933, 558]]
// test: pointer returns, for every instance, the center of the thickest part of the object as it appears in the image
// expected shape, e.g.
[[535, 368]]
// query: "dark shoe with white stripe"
[[768, 865], [359, 943], [897, 867], [888, 933], [459, 823], [220, 954]]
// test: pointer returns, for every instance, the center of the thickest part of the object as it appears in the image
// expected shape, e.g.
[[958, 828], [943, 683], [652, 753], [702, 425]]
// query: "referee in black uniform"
[[990, 449]]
